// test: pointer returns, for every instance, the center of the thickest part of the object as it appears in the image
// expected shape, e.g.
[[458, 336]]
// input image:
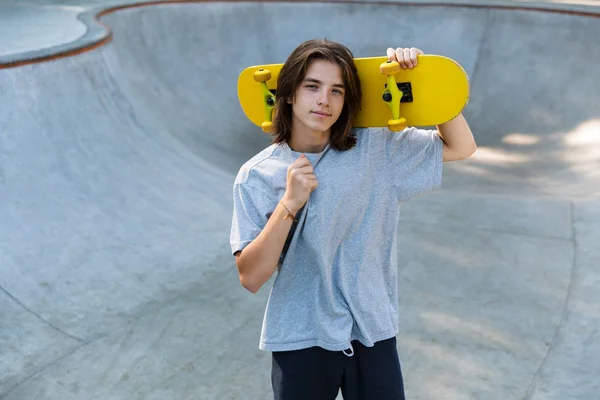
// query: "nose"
[[323, 98]]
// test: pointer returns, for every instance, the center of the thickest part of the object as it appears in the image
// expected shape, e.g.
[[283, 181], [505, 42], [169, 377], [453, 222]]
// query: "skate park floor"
[[120, 137]]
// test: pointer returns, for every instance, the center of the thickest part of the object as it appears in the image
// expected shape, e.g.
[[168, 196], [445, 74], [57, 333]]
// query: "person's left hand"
[[406, 56]]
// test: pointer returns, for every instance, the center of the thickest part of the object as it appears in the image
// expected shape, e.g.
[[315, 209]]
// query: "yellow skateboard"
[[433, 92]]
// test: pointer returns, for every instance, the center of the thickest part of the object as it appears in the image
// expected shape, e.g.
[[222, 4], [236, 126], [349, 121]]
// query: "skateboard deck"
[[433, 92]]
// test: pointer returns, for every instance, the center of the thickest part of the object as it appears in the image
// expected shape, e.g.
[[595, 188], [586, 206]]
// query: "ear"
[[289, 100]]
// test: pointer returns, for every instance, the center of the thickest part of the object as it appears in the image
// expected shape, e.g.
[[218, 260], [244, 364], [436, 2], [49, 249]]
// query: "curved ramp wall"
[[116, 168]]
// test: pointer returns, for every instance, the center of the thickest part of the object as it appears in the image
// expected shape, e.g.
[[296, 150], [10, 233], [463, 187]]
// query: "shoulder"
[[384, 136], [385, 133], [261, 165], [381, 143], [372, 138], [368, 135]]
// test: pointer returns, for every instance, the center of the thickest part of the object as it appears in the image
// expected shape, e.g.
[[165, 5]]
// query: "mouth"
[[321, 113]]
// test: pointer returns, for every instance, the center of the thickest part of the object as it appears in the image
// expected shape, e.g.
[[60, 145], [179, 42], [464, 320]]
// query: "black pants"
[[371, 373]]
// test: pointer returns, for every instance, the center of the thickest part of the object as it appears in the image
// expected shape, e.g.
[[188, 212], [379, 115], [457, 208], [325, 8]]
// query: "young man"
[[335, 192]]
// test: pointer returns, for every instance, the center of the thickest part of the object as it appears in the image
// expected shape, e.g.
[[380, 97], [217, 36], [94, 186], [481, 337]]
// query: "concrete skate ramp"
[[116, 167]]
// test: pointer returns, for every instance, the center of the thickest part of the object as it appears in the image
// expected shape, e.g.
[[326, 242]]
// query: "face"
[[319, 99]]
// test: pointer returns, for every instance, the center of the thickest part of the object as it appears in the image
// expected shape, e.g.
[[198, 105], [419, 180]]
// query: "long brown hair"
[[293, 73]]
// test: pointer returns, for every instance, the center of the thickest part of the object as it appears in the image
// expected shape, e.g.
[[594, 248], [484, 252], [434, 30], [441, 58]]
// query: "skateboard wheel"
[[262, 75], [389, 68], [397, 124], [266, 126]]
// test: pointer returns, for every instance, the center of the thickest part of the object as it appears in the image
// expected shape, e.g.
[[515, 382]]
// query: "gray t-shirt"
[[338, 281]]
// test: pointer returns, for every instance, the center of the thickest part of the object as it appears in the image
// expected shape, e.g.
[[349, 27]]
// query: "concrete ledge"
[[98, 34]]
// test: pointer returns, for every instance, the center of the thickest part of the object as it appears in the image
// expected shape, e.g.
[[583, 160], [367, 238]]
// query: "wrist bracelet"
[[288, 210]]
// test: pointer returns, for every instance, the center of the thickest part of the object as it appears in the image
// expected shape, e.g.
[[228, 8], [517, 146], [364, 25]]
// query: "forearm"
[[258, 261], [458, 139]]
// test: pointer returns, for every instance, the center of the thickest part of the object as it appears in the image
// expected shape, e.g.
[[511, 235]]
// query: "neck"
[[309, 142]]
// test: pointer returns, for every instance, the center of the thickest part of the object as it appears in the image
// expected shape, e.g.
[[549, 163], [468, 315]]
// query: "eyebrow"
[[339, 85]]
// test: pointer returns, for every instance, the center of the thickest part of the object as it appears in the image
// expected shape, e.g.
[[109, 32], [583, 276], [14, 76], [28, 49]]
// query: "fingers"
[[306, 177], [391, 54], [403, 55], [407, 57], [307, 170], [301, 162], [302, 169], [312, 182], [309, 180], [303, 173]]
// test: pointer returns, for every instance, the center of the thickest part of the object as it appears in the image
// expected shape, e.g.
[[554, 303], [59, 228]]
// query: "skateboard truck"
[[392, 95], [262, 76]]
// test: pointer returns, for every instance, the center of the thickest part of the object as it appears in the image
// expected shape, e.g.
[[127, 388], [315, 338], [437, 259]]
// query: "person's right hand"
[[301, 181]]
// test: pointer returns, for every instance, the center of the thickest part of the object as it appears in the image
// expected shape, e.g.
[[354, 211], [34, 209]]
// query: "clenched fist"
[[301, 181]]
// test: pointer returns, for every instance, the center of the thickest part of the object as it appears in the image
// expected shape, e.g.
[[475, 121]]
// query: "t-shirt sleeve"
[[251, 211], [416, 158]]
